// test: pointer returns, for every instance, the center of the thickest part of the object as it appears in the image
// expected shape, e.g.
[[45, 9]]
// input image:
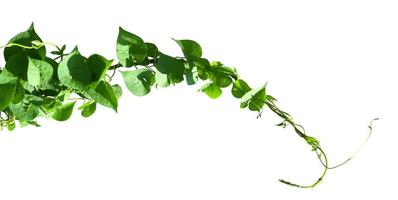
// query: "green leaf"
[[104, 95], [25, 38], [138, 81], [11, 125], [171, 66], [240, 88], [117, 90], [88, 108], [219, 78], [212, 90], [153, 50], [40, 73], [18, 65], [191, 75], [255, 98], [130, 48], [73, 71], [19, 93], [63, 111], [7, 90], [190, 48], [221, 75], [98, 65], [161, 79], [25, 110]]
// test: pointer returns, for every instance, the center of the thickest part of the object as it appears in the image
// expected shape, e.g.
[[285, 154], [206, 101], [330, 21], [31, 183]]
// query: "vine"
[[34, 84]]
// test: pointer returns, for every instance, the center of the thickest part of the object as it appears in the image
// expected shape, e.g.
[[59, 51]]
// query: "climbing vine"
[[36, 84]]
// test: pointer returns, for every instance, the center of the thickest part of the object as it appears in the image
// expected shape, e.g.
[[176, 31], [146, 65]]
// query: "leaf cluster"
[[35, 83]]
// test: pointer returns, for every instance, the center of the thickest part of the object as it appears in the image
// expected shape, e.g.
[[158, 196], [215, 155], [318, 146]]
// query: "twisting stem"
[[370, 126], [300, 131]]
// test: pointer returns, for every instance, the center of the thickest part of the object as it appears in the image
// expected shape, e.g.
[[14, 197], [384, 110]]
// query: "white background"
[[331, 64]]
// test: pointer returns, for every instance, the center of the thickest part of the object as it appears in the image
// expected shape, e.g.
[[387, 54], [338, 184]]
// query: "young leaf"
[[88, 108], [73, 71], [212, 90], [63, 111], [104, 95], [130, 49], [25, 38], [240, 88], [39, 73], [190, 48], [138, 81]]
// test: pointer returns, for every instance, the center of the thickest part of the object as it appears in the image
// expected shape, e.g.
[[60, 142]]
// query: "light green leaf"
[[25, 110], [212, 90], [40, 73], [117, 90], [63, 111], [161, 79], [104, 95], [138, 81], [130, 48]]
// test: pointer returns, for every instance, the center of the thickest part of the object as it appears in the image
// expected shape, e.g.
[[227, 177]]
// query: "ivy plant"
[[36, 82]]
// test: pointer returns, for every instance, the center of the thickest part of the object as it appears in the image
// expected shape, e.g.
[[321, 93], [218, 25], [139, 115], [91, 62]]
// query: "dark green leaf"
[[73, 71], [153, 51], [25, 38], [190, 48], [18, 65], [19, 93], [7, 90], [171, 66], [98, 65]]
